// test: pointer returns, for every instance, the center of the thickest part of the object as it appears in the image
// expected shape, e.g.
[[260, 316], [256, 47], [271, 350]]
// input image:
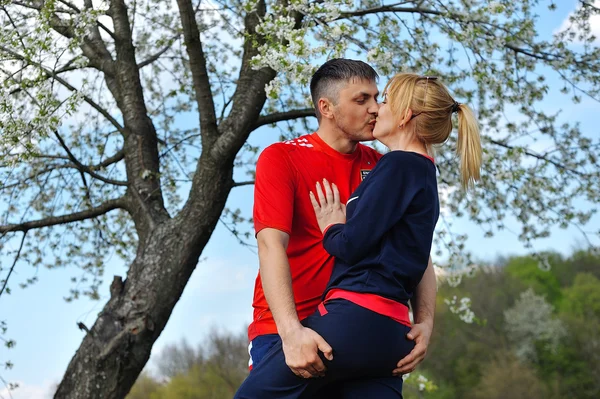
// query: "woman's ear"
[[407, 116]]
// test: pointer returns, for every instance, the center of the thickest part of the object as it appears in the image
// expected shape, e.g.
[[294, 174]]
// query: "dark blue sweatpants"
[[366, 348]]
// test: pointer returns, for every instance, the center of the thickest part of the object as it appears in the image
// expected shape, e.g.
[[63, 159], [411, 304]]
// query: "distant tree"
[[559, 345], [531, 323], [542, 281], [213, 371], [178, 359], [582, 261], [582, 299], [457, 349], [201, 382], [145, 386], [575, 366], [507, 377], [227, 357]]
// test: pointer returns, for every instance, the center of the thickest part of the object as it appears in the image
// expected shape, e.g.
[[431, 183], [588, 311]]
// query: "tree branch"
[[590, 5], [93, 48], [142, 163], [243, 183], [52, 74], [458, 17], [202, 88], [48, 169], [106, 207], [14, 263], [117, 157], [283, 116], [388, 8], [540, 157], [249, 97], [527, 53], [543, 56], [38, 6], [156, 56], [88, 4], [85, 168], [175, 145], [66, 68]]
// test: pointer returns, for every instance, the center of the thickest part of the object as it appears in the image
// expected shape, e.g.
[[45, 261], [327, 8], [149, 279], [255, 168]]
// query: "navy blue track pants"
[[366, 348]]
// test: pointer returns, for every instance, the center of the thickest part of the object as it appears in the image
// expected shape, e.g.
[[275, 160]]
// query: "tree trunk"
[[117, 347]]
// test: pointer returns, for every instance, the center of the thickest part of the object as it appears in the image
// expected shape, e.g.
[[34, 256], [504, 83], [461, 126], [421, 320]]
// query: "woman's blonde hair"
[[432, 107]]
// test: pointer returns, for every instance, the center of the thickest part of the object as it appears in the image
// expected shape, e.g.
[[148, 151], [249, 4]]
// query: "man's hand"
[[301, 349], [420, 333]]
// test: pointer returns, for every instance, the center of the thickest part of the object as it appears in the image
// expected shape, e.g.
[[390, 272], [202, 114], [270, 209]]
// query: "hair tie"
[[455, 107]]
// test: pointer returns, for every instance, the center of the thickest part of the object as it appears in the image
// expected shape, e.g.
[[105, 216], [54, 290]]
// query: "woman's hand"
[[329, 209]]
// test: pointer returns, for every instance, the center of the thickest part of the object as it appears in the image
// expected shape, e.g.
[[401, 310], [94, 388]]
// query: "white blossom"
[[462, 308]]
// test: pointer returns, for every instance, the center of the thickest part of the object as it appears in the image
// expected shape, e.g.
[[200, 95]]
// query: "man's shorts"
[[259, 347]]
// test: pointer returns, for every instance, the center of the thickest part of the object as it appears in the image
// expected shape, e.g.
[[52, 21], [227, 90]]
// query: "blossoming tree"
[[94, 158]]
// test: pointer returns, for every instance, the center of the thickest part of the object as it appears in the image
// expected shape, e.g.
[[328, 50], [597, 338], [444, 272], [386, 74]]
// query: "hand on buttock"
[[328, 209]]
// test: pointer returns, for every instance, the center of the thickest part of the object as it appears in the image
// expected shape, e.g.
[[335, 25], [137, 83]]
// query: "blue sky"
[[219, 293]]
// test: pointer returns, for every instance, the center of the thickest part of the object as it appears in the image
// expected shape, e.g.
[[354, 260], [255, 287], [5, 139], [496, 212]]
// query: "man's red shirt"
[[285, 173]]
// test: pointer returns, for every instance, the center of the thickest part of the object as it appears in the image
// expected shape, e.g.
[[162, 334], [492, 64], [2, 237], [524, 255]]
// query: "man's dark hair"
[[325, 81]]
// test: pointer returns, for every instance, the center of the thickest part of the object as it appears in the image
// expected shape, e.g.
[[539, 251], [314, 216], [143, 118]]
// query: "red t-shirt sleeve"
[[274, 190]]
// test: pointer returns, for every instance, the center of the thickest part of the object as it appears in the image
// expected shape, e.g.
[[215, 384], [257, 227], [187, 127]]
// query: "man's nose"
[[374, 109]]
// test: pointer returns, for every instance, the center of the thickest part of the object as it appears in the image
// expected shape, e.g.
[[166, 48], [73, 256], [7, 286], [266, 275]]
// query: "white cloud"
[[594, 23], [228, 275]]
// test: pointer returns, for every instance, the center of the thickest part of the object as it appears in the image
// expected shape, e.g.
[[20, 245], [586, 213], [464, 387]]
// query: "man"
[[294, 267]]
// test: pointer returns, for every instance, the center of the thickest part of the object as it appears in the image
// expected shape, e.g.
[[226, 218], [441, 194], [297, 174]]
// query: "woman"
[[382, 249]]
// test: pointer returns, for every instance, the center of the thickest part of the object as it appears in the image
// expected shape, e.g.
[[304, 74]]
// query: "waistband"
[[394, 310]]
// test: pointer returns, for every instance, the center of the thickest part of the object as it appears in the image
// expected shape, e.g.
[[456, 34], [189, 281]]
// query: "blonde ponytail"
[[469, 146], [432, 107]]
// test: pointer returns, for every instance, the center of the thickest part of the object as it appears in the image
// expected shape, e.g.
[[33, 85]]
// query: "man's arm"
[[423, 305], [300, 344]]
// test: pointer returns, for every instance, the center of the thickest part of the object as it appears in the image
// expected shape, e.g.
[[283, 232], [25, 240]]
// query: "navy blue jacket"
[[384, 246]]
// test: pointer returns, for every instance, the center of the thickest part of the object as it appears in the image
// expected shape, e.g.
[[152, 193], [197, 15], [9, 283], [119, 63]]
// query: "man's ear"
[[325, 108]]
